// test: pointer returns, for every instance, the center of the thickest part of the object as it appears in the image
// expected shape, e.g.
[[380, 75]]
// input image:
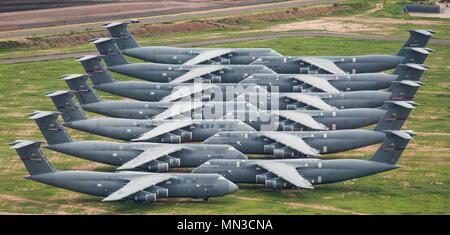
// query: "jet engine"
[[262, 178], [172, 161], [159, 191], [275, 183], [213, 78], [283, 153], [184, 135], [291, 107], [158, 166], [144, 196]]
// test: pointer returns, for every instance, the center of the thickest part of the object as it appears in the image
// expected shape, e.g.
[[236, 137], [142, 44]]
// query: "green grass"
[[420, 187]]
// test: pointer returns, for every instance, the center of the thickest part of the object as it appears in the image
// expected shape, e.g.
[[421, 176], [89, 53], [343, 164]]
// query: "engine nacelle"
[[206, 97], [304, 70], [160, 192], [172, 161], [278, 153], [196, 116], [262, 178], [275, 183], [213, 78], [283, 153], [291, 107], [158, 166], [297, 88], [216, 79], [268, 148], [144, 196], [186, 135], [175, 139], [286, 127]]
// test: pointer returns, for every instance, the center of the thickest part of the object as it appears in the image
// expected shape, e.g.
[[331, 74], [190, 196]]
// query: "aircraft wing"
[[163, 129], [187, 90], [291, 141], [149, 155], [316, 82], [286, 172], [136, 185], [323, 64], [207, 55], [309, 100], [301, 118], [197, 72], [177, 109]]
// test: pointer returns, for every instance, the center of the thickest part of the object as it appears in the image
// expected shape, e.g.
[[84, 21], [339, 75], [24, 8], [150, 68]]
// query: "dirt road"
[[190, 10]]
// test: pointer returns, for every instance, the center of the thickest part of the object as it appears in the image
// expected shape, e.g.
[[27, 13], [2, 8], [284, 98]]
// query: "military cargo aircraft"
[[125, 185], [258, 119], [172, 73], [91, 101], [146, 91], [157, 157], [411, 52], [335, 83], [303, 173], [299, 64], [286, 144], [149, 91], [177, 131], [294, 120], [138, 130], [399, 90], [187, 56]]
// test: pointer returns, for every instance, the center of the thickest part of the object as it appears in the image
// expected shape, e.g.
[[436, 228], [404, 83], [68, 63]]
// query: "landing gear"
[[205, 199]]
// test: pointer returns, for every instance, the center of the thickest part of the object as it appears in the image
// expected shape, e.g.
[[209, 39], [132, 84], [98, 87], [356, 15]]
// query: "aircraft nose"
[[225, 186], [232, 187]]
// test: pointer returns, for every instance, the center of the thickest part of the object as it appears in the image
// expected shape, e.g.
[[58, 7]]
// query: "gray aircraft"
[[125, 185], [173, 73], [411, 52], [138, 130], [148, 91], [91, 101], [187, 56], [399, 90], [303, 173], [157, 157], [297, 120], [178, 131], [287, 144], [335, 83], [312, 64]]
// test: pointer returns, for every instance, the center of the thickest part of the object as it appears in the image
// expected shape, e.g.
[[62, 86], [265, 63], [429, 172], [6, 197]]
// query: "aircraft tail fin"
[[94, 67], [396, 114], [51, 128], [404, 90], [409, 72], [110, 52], [415, 55], [393, 146], [417, 38], [85, 93], [66, 104], [119, 30], [32, 157]]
